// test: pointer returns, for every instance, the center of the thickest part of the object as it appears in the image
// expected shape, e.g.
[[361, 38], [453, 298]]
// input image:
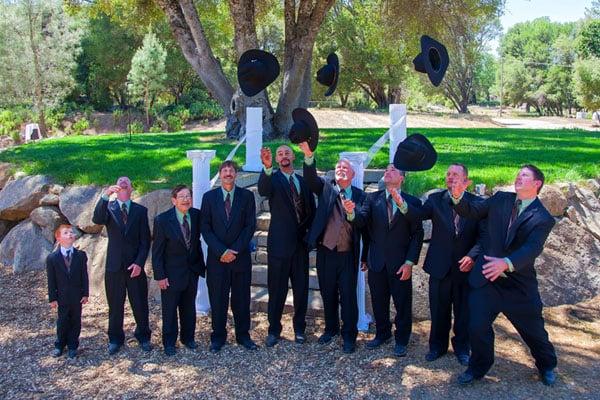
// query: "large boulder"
[[554, 200], [77, 203], [569, 268], [156, 202], [5, 227], [25, 248], [6, 172], [421, 288], [584, 208], [95, 248], [48, 219], [19, 197]]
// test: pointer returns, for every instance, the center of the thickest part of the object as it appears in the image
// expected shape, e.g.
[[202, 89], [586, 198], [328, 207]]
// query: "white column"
[[357, 159], [200, 185], [254, 132], [397, 127]]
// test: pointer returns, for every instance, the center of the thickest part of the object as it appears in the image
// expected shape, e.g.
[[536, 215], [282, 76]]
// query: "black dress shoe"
[[72, 353], [248, 344], [215, 347], [376, 342], [326, 338], [113, 348], [271, 340], [400, 350], [170, 351], [466, 378], [463, 359], [433, 355], [548, 377], [146, 346], [300, 338], [57, 352], [191, 345], [349, 347]]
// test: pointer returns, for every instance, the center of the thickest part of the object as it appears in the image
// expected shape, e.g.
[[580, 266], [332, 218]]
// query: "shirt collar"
[[526, 203], [288, 175], [127, 203], [225, 193], [180, 215], [63, 250], [347, 191], [387, 193]]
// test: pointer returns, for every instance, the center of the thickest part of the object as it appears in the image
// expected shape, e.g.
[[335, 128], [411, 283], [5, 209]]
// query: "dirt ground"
[[480, 117], [286, 371]]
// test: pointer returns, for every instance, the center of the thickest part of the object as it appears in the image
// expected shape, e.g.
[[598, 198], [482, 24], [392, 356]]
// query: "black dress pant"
[[338, 274], [68, 326], [524, 312], [182, 302], [383, 285], [221, 282], [446, 296], [280, 271], [117, 285]]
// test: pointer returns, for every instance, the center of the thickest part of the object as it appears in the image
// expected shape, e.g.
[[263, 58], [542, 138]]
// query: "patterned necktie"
[[228, 206], [456, 219], [515, 213], [124, 213], [68, 260], [390, 209], [185, 228], [296, 199]]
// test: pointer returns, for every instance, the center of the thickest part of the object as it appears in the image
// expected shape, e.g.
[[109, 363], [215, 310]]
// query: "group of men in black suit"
[[480, 259]]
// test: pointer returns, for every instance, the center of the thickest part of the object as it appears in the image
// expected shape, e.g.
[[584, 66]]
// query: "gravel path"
[[287, 371]]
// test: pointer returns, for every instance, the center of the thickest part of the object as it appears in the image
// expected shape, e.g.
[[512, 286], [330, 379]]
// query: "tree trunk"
[[38, 100], [189, 33], [301, 28], [243, 15]]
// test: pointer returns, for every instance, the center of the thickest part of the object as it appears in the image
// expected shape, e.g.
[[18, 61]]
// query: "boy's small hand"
[[84, 300], [54, 304]]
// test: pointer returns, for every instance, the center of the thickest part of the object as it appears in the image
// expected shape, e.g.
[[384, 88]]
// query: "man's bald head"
[[284, 156]]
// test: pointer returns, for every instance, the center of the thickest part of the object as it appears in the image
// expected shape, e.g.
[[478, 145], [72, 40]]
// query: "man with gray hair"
[[128, 246], [338, 247]]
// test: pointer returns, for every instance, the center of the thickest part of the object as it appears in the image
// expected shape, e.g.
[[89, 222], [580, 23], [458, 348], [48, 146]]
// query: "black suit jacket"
[[170, 257], [390, 244], [445, 247], [284, 231], [127, 243], [67, 286], [236, 234], [328, 194], [522, 244]]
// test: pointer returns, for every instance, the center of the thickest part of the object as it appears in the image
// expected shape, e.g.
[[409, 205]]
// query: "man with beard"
[[177, 261], [292, 207], [503, 279], [338, 247], [394, 247], [228, 224], [452, 250], [128, 246]]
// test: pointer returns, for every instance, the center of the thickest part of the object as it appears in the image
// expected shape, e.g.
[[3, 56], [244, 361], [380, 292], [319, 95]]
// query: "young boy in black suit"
[[68, 289]]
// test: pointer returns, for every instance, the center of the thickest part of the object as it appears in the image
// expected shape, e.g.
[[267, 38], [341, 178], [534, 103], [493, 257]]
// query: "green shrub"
[[54, 118], [80, 125], [206, 110], [156, 127], [174, 123], [117, 115], [10, 121], [135, 127], [16, 137]]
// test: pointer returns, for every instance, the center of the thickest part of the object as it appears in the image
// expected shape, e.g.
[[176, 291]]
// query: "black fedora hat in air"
[[257, 69], [433, 59], [415, 153], [304, 129], [328, 74]]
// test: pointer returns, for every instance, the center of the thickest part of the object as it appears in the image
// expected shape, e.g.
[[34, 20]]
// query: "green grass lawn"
[[158, 160]]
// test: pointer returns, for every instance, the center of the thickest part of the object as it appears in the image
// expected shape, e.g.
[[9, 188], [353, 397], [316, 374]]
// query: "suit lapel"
[[285, 184], [448, 213], [521, 219], [175, 227], [115, 211]]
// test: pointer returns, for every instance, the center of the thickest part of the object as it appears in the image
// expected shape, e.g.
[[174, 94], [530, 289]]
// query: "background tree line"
[[175, 60]]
